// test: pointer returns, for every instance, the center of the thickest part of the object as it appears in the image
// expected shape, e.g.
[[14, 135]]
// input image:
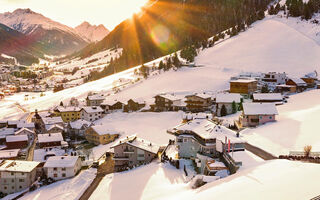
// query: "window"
[[20, 186], [63, 175], [63, 169], [12, 180], [12, 187], [12, 173], [270, 117], [185, 140], [22, 173], [55, 175], [260, 117], [54, 169], [5, 187], [21, 180]]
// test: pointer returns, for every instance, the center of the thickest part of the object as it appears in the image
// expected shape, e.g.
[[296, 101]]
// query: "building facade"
[[243, 86], [199, 102], [16, 175], [133, 151], [91, 114], [62, 167], [98, 134]]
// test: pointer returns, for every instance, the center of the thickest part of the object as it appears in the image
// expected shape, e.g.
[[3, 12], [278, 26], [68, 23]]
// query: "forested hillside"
[[169, 25]]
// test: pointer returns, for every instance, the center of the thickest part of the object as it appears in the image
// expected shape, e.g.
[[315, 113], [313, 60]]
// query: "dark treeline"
[[170, 25], [298, 8]]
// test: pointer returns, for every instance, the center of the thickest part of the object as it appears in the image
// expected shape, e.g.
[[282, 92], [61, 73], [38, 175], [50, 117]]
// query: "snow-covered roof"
[[18, 166], [50, 137], [299, 81], [102, 129], [214, 163], [313, 75], [95, 97], [6, 131], [191, 116], [61, 161], [140, 143], [92, 109], [170, 97], [207, 129], [243, 81], [228, 98], [201, 95], [16, 138], [268, 96], [111, 102], [260, 109], [50, 127], [52, 120], [285, 86], [79, 123], [23, 129], [67, 109], [25, 125], [12, 153], [40, 154]]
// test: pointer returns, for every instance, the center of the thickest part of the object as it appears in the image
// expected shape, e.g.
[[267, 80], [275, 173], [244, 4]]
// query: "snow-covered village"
[[179, 99]]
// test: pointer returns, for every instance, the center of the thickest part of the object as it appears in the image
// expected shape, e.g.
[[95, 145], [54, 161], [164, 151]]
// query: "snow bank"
[[70, 189]]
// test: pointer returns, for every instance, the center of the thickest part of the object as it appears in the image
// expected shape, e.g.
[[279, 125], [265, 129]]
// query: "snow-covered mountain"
[[92, 33], [56, 38], [17, 45]]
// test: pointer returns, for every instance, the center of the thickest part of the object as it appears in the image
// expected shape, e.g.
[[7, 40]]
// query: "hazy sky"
[[73, 12]]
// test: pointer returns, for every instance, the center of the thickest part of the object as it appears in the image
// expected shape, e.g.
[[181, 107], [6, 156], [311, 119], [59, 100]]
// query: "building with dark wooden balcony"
[[199, 102], [133, 151]]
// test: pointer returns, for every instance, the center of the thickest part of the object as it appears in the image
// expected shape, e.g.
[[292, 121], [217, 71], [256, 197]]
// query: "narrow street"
[[259, 152], [106, 168]]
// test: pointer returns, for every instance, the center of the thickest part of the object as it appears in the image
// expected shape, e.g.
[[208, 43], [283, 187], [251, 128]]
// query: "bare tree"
[[307, 149]]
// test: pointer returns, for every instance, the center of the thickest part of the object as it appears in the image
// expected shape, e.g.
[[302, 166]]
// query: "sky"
[[73, 12]]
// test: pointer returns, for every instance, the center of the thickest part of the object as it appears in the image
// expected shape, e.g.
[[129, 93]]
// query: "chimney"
[[62, 158]]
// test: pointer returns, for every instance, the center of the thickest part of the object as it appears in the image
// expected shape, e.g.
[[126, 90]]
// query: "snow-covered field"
[[296, 126], [274, 179], [70, 189], [149, 126]]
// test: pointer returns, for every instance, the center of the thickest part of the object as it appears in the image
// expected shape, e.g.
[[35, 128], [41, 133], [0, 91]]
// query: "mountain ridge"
[[93, 33]]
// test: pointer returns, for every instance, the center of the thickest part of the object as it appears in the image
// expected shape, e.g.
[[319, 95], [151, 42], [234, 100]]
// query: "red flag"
[[229, 146]]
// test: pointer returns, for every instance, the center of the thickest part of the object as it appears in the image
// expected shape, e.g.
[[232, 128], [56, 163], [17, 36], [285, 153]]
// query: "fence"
[[232, 165], [302, 153]]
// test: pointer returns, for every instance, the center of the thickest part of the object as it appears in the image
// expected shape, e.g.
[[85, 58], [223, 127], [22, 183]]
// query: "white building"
[[25, 131], [227, 100], [95, 100], [273, 78], [17, 175], [91, 113], [61, 167]]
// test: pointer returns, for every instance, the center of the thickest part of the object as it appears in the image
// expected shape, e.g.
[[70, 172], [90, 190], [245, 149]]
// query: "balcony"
[[128, 150], [120, 158]]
